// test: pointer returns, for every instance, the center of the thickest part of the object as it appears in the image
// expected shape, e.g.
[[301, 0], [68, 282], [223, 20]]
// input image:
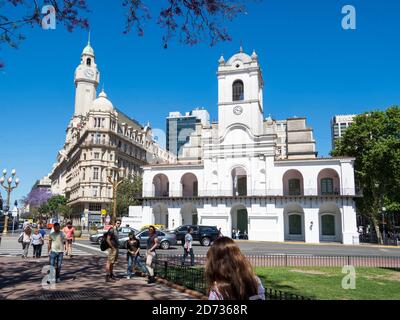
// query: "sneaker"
[[109, 279], [128, 277], [58, 280], [151, 280]]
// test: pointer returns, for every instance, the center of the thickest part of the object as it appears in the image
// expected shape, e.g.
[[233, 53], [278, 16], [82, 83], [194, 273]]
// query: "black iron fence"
[[288, 260], [189, 277], [193, 278], [272, 294], [389, 238]]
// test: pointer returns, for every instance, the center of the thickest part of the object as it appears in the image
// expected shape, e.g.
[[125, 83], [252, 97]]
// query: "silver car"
[[122, 233], [165, 239]]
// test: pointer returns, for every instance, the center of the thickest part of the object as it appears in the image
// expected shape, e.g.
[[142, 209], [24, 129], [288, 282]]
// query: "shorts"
[[112, 255]]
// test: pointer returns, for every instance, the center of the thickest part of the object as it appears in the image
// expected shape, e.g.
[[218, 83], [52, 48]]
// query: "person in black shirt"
[[133, 255], [113, 244]]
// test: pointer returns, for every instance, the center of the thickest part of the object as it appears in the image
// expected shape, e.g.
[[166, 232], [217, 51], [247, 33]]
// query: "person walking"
[[25, 239], [56, 249], [42, 230], [187, 248], [69, 232], [237, 234], [113, 245], [152, 245], [37, 243], [133, 255], [229, 274], [26, 223]]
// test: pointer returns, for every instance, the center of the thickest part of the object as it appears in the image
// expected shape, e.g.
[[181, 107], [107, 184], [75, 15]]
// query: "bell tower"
[[87, 78], [240, 97]]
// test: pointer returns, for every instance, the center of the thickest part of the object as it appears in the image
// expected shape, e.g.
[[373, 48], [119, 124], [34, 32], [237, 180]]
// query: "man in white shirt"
[[56, 249]]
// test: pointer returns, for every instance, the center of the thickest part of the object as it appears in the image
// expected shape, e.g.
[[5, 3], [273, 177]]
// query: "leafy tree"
[[128, 194], [374, 140], [65, 211], [43, 212], [192, 20], [55, 203]]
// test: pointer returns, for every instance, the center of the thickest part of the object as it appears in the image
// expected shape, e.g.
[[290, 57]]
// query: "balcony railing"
[[255, 192]]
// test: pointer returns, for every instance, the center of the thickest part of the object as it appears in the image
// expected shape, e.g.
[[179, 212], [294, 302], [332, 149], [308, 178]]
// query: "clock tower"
[[240, 99], [87, 78]]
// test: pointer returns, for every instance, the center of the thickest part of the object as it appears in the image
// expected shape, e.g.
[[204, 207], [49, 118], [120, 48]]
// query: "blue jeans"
[[53, 257], [133, 261]]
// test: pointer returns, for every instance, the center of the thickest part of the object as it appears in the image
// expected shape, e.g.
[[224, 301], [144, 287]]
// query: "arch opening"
[[161, 185]]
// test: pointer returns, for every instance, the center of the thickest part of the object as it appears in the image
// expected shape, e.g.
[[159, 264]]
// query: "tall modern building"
[[180, 127], [101, 141], [339, 125]]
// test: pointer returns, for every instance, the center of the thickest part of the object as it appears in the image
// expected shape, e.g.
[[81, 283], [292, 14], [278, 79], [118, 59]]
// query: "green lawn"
[[326, 282]]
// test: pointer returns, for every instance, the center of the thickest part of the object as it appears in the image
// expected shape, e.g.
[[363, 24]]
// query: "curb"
[[182, 289], [333, 244]]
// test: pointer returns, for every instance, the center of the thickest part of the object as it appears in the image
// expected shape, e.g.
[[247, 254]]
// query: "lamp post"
[[383, 224], [8, 187], [115, 180]]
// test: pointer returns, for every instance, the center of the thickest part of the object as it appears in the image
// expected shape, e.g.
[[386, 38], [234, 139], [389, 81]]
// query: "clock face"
[[89, 73], [237, 110]]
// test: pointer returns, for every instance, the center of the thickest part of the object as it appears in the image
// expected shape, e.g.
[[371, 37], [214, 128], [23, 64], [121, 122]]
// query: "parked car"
[[204, 234], [165, 239], [122, 233]]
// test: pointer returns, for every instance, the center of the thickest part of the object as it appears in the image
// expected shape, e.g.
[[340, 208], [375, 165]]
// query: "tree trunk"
[[377, 230]]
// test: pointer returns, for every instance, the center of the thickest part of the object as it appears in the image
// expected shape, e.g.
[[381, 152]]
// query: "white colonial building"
[[258, 175]]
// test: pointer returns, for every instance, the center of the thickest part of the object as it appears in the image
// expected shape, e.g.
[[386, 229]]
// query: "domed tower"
[[87, 78], [240, 97], [102, 103]]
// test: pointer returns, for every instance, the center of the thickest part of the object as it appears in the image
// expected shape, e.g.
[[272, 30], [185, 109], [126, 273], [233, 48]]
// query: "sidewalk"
[[82, 278]]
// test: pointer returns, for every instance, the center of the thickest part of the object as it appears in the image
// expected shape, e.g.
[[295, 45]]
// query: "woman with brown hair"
[[152, 245], [229, 274]]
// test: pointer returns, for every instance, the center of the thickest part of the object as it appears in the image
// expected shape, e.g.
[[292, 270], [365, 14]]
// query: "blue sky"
[[311, 67]]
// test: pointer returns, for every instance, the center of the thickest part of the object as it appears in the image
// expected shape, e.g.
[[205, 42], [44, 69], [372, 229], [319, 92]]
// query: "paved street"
[[82, 278], [11, 248], [264, 248]]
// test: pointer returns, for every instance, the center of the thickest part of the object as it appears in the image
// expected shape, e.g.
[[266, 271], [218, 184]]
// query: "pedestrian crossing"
[[9, 247]]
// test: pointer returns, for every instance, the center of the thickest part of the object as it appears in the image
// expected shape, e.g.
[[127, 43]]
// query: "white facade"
[[239, 181]]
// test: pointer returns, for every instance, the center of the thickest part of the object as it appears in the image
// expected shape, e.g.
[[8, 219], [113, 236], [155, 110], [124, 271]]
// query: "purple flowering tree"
[[37, 197]]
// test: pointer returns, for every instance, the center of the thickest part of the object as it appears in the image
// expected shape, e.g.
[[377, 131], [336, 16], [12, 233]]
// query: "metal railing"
[[289, 260], [252, 193], [193, 278], [189, 277], [273, 294]]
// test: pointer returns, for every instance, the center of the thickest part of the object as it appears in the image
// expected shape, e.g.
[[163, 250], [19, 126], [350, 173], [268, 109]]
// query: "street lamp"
[[383, 224], [115, 180], [8, 187]]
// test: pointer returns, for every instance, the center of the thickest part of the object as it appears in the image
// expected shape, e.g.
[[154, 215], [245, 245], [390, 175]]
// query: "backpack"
[[20, 238], [104, 244]]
